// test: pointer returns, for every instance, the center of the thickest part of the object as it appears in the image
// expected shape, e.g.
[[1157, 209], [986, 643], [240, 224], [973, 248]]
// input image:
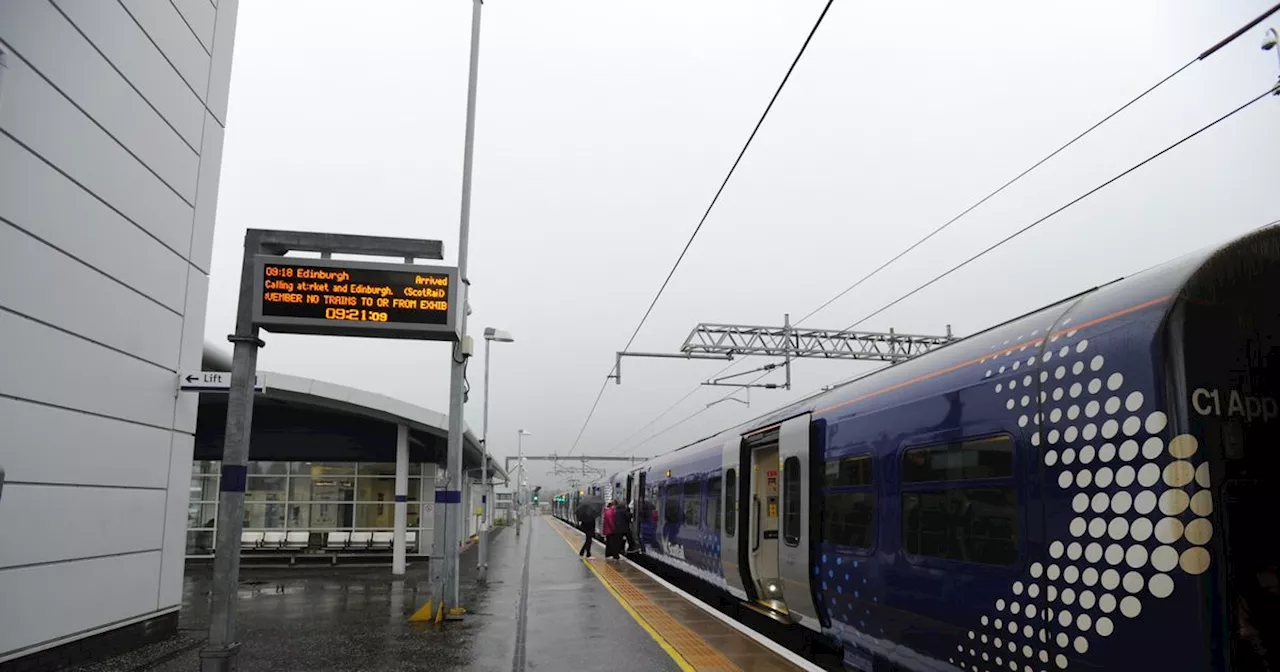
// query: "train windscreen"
[[1231, 352]]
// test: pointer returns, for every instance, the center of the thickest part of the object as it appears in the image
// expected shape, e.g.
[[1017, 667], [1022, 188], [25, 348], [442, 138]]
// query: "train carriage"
[[1084, 487]]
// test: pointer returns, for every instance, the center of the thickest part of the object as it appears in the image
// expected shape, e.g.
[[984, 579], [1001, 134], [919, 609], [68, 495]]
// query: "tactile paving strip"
[[699, 654]]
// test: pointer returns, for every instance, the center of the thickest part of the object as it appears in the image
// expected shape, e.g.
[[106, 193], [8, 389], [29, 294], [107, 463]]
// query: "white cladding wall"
[[111, 125]]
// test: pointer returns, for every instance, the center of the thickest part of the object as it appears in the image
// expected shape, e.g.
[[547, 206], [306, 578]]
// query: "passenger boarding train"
[[1091, 486]]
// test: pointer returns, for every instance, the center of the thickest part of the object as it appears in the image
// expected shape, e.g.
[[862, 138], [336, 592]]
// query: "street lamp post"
[[450, 516], [520, 434], [490, 335]]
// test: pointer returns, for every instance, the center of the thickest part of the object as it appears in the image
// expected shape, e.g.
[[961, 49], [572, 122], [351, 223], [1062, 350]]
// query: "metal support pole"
[[449, 540], [482, 567], [220, 652], [402, 500], [519, 479], [519, 496], [786, 323]]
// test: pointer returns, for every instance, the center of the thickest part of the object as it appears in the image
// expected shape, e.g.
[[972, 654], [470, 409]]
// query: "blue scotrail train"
[[1091, 486]]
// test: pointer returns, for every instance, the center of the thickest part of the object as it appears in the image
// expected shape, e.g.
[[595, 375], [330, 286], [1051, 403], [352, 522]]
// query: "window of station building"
[[791, 501], [713, 502], [848, 503], [205, 467], [314, 497], [693, 502], [268, 468], [965, 507], [730, 501]]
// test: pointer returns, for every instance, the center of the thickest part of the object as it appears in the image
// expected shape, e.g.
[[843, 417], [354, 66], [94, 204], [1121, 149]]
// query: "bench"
[[266, 543]]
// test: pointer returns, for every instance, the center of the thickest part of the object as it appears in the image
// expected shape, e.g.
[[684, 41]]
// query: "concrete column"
[[468, 501], [402, 499], [431, 476]]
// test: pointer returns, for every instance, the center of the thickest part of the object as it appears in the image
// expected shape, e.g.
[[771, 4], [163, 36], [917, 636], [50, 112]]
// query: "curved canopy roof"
[[307, 419]]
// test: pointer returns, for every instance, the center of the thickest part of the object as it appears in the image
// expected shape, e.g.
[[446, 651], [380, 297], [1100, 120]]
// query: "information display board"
[[355, 298]]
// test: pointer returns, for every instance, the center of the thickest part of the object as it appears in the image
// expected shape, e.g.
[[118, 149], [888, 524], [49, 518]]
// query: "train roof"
[[1154, 288]]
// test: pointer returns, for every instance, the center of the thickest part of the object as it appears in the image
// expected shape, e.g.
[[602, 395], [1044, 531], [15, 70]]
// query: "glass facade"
[[313, 497]]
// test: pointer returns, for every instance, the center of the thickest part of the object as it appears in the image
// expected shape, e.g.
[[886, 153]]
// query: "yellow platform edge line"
[[666, 646]]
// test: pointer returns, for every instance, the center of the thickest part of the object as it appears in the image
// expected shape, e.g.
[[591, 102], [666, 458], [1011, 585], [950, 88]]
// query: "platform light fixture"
[[520, 482], [490, 335]]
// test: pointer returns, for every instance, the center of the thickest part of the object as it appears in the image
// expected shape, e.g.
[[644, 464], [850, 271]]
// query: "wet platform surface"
[[357, 618], [700, 641]]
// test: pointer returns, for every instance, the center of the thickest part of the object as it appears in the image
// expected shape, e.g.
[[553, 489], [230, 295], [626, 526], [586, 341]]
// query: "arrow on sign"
[[213, 382]]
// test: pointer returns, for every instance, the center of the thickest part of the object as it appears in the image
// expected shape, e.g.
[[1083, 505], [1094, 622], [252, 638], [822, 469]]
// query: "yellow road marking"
[[681, 643]]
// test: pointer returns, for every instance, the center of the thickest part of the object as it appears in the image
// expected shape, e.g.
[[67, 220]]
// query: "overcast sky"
[[604, 128]]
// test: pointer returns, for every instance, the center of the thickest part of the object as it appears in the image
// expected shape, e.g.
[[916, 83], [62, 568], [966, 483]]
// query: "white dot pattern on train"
[[1141, 507]]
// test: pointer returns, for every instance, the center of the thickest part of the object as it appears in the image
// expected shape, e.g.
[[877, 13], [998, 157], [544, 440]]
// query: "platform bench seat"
[[299, 541], [251, 540]]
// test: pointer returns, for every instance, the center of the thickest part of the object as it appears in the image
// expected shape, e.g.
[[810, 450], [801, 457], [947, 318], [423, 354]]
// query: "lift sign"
[[354, 298], [1233, 404]]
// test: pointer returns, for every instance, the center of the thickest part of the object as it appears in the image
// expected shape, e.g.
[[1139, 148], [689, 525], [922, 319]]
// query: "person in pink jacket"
[[612, 535]]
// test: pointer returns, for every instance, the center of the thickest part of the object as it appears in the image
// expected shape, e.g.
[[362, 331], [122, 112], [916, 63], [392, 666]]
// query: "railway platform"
[[543, 608], [694, 636]]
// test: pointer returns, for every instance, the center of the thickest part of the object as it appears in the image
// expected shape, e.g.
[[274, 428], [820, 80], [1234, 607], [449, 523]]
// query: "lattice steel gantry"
[[724, 341]]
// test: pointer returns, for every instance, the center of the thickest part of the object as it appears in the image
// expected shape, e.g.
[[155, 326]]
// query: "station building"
[[322, 467], [112, 118]]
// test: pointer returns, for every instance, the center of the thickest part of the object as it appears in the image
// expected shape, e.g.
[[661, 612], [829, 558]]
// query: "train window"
[[693, 502], [847, 471], [713, 503], [849, 519], [967, 524], [730, 501], [848, 504], [954, 520], [791, 501], [671, 507], [991, 457]]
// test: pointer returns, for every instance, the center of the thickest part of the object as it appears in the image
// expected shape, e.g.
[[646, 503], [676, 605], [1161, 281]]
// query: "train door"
[[628, 500], [763, 516], [730, 538], [793, 551], [638, 512]]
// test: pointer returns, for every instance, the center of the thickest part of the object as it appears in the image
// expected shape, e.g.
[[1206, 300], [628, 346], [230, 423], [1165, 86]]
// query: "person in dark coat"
[[586, 523], [624, 523]]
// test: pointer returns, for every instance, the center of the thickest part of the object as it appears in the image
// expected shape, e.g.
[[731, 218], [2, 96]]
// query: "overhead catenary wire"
[[1200, 57], [984, 252], [689, 417], [991, 195], [844, 381], [654, 421], [697, 229], [930, 235], [1061, 208]]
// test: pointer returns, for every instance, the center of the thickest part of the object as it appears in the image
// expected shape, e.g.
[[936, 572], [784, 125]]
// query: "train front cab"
[[1223, 340]]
